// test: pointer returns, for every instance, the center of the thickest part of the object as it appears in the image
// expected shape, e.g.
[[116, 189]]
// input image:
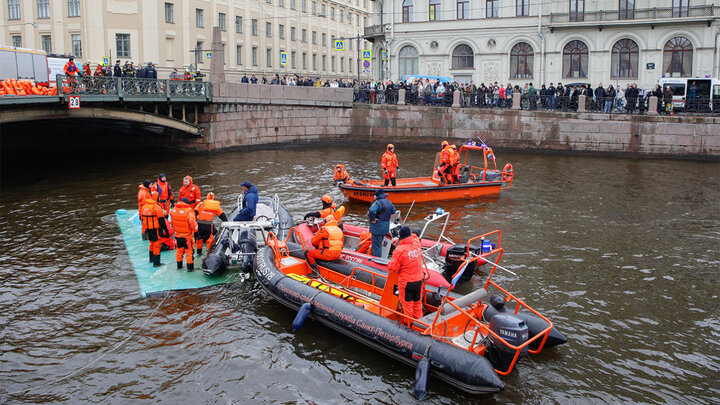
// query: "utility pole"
[[359, 51]]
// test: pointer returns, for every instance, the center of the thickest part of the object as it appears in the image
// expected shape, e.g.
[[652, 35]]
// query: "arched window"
[[463, 57], [408, 61], [407, 10], [575, 60], [677, 57], [521, 61], [624, 61], [434, 8]]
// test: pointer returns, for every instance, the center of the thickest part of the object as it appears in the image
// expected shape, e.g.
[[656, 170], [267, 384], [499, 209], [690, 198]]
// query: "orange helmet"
[[453, 146], [327, 199], [444, 144], [390, 146], [211, 196], [339, 167]]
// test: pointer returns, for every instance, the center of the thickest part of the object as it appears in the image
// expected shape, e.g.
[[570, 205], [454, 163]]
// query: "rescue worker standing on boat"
[[190, 191], [329, 208], [250, 200], [143, 194], [206, 211], [390, 165], [165, 193], [182, 218], [153, 224], [446, 159], [455, 164], [379, 216], [329, 242], [407, 263]]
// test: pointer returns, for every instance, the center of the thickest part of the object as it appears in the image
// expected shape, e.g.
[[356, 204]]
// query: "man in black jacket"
[[599, 97], [117, 71]]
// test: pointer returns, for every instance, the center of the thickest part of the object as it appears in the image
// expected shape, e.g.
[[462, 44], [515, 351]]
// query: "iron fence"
[[121, 87], [634, 14]]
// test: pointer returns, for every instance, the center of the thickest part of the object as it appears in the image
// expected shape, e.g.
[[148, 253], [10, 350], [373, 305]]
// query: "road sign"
[[366, 64], [208, 55], [366, 55], [384, 55], [339, 45], [106, 61], [283, 58], [74, 102]]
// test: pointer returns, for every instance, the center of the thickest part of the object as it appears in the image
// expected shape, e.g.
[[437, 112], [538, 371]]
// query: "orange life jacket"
[[365, 242], [341, 175], [143, 194], [329, 237], [207, 210], [447, 155], [182, 217], [191, 192], [149, 213], [389, 161], [336, 213]]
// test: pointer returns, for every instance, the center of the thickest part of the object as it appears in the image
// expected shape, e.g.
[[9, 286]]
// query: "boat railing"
[[429, 219], [485, 236]]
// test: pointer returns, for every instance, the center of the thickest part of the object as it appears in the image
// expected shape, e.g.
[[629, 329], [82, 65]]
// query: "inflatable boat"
[[236, 245], [441, 255], [473, 181], [465, 341]]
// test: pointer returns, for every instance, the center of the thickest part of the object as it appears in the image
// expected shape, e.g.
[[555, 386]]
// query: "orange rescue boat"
[[472, 182]]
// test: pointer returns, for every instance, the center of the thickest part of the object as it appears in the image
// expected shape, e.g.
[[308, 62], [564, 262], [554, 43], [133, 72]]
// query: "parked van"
[[707, 96], [23, 64]]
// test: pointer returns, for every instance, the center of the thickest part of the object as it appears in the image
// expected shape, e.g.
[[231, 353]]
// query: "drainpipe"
[[542, 49], [392, 36]]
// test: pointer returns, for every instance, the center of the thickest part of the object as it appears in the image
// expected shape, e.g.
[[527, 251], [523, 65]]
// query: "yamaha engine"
[[512, 330], [456, 255]]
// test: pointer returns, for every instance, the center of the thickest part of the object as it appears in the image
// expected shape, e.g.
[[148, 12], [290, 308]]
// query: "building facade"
[[178, 33], [572, 41]]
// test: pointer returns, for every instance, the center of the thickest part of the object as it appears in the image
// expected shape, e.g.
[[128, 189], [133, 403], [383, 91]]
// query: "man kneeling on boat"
[[329, 208], [407, 263], [329, 242]]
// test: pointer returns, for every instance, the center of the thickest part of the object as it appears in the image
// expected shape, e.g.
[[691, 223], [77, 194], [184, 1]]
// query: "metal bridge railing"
[[132, 87]]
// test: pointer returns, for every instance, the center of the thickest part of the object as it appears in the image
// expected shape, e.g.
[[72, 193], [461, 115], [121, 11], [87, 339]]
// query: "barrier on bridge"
[[137, 89]]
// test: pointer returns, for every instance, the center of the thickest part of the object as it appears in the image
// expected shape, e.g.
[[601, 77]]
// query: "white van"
[[708, 92]]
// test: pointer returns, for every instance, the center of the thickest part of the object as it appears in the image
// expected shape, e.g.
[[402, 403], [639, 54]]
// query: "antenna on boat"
[[494, 264], [408, 213]]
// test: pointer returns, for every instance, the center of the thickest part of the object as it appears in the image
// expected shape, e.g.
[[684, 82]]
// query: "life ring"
[[507, 173]]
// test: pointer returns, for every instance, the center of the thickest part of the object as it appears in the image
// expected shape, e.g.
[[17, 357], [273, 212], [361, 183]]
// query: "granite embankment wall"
[[243, 115]]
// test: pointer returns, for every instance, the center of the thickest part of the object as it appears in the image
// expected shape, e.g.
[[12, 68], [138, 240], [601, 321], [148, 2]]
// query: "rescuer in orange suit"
[[455, 164], [165, 193], [182, 217], [206, 211], [407, 263], [329, 242], [365, 243], [341, 175], [143, 194], [70, 68], [329, 208], [390, 165], [153, 224], [190, 191], [446, 159]]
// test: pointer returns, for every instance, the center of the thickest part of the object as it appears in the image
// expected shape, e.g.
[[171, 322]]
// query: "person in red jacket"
[[455, 164], [143, 193], [182, 217], [206, 211], [365, 243], [153, 224], [389, 164], [190, 191], [329, 208], [447, 157], [165, 193], [329, 241], [70, 68], [407, 263]]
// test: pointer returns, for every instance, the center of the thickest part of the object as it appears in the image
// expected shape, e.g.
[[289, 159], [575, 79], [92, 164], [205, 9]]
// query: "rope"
[[117, 346]]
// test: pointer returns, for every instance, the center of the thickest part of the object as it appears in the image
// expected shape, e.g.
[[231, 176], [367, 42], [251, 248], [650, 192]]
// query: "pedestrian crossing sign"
[[384, 55], [106, 61], [339, 45], [208, 55], [366, 55], [283, 58]]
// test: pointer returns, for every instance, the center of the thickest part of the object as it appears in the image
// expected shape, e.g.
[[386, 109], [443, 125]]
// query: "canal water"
[[621, 254]]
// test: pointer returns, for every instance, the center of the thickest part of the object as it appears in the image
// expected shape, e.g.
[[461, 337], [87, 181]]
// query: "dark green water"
[[621, 254]]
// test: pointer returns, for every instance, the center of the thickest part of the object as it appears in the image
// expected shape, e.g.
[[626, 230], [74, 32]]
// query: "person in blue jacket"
[[250, 200], [379, 216]]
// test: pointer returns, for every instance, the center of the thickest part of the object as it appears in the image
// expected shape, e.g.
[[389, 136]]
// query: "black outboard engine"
[[514, 331], [247, 244], [216, 260], [456, 254]]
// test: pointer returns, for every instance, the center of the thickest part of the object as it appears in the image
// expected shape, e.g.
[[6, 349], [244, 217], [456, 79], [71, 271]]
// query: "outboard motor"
[[216, 261], [455, 257], [247, 244], [514, 331]]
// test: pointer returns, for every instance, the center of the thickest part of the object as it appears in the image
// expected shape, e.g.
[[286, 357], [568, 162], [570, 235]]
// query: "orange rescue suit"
[[365, 243], [341, 174], [182, 217], [329, 240], [143, 194], [191, 192], [447, 157], [389, 164], [336, 213], [407, 263], [165, 194], [151, 215], [207, 210]]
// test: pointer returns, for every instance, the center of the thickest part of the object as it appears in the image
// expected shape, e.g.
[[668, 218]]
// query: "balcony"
[[657, 15], [374, 32]]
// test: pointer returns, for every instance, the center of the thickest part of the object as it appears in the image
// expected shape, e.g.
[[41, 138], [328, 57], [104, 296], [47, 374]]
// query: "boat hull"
[[420, 190], [457, 367]]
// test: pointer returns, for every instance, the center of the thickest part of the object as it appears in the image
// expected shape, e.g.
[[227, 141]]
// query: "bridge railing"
[[136, 89]]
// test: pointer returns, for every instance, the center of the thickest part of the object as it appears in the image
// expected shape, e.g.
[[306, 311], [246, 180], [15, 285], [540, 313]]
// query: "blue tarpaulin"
[[443, 79], [167, 277]]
